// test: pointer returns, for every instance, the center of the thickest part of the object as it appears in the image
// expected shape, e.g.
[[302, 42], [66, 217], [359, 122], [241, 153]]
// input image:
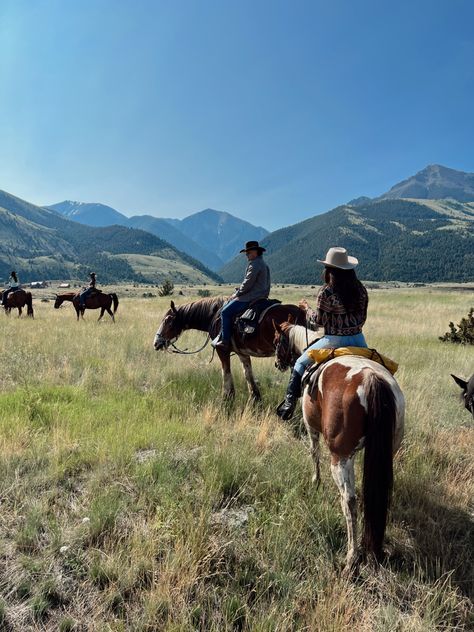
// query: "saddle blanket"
[[323, 355]]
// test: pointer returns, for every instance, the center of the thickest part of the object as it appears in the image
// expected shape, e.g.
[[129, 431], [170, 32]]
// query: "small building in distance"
[[64, 285], [38, 284]]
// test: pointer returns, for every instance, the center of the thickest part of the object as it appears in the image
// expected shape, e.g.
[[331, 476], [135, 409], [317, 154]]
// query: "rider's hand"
[[303, 304]]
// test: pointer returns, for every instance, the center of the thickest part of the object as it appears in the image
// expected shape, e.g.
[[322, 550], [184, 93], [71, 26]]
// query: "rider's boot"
[[293, 392], [220, 343]]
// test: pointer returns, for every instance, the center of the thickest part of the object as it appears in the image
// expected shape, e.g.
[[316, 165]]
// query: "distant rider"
[[255, 286], [13, 284], [88, 290]]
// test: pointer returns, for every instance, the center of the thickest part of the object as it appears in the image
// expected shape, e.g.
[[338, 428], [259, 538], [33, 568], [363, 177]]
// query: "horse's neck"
[[199, 315], [301, 337]]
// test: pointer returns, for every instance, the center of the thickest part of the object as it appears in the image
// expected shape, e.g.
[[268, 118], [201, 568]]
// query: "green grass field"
[[132, 499]]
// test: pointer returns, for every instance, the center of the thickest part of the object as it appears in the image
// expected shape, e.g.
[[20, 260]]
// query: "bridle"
[[285, 356]]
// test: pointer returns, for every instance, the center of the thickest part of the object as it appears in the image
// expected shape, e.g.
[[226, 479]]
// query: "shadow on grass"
[[440, 537]]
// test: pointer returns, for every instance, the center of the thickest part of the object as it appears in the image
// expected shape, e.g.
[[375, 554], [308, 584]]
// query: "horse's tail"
[[378, 461], [115, 301], [29, 303]]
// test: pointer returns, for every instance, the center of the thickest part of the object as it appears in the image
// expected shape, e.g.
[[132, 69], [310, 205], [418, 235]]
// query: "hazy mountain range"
[[213, 237], [40, 243], [422, 229]]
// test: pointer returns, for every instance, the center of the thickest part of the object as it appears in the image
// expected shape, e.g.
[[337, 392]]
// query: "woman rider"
[[341, 309], [88, 290], [13, 284]]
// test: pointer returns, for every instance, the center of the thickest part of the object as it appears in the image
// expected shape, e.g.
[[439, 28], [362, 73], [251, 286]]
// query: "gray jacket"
[[256, 283]]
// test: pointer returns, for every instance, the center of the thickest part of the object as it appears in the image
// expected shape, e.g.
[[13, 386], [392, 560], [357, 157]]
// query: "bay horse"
[[98, 300], [356, 403], [204, 315], [18, 300]]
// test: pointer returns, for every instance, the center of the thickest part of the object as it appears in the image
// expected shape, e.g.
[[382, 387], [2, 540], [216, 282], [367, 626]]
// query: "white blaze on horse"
[[356, 403]]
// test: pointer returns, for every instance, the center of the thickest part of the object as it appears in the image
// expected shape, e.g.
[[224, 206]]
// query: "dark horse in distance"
[[204, 315], [18, 300], [98, 300]]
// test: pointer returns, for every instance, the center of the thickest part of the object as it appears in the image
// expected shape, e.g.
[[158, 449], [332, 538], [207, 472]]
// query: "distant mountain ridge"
[[41, 243], [210, 236], [394, 239], [435, 182], [422, 229]]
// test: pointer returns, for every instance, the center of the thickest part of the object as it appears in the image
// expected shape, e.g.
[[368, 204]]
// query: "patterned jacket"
[[331, 314]]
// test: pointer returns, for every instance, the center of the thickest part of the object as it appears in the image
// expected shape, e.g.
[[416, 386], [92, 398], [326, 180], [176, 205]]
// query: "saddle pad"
[[323, 355]]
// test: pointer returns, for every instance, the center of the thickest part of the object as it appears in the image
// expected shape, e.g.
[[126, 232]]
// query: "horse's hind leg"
[[343, 473], [315, 451], [111, 314], [251, 383], [102, 311]]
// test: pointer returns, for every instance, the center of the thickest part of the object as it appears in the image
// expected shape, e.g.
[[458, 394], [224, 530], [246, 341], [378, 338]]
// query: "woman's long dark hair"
[[346, 285], [13, 274]]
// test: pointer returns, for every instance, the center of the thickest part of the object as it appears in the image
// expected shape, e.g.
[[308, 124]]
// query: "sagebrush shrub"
[[462, 334]]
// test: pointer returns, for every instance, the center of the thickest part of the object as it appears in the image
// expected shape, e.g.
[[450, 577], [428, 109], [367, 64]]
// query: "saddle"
[[322, 356], [247, 323]]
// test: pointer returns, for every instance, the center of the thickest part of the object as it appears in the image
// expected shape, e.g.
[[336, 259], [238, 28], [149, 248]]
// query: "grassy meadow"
[[132, 499]]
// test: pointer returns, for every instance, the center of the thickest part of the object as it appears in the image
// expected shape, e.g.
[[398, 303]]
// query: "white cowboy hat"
[[338, 258]]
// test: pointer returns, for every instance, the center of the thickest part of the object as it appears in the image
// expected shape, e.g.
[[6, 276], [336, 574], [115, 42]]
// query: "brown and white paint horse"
[[356, 404], [204, 315]]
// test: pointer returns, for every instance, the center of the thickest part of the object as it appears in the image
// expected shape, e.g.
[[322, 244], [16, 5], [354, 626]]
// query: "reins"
[[186, 352]]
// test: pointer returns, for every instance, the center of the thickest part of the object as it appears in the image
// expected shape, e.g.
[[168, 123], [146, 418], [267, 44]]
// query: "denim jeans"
[[328, 342], [231, 309]]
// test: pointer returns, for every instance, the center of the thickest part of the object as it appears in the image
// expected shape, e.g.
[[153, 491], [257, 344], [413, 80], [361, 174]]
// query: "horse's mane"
[[200, 313], [301, 337]]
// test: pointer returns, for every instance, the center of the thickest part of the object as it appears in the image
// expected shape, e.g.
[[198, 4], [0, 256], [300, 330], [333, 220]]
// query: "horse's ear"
[[276, 326], [173, 306], [290, 319], [460, 382]]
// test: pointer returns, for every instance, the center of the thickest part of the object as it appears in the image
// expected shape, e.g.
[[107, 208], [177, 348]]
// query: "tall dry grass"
[[133, 500]]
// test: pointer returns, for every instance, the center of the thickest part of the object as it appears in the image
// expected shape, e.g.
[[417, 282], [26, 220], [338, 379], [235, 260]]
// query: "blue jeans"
[[328, 342], [231, 309]]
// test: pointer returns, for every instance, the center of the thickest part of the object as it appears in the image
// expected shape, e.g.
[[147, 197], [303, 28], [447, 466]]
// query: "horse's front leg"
[[343, 473], [254, 391], [228, 389], [19, 312]]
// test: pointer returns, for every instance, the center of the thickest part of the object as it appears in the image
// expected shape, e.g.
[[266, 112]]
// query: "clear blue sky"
[[271, 110]]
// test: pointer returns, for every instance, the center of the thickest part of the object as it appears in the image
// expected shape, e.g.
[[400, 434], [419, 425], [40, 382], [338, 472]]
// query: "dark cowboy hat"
[[253, 245]]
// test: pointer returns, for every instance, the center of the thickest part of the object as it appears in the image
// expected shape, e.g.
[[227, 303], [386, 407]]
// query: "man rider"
[[255, 286]]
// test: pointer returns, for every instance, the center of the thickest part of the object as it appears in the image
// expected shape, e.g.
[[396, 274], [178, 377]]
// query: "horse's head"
[[169, 330], [285, 354], [467, 392], [58, 302]]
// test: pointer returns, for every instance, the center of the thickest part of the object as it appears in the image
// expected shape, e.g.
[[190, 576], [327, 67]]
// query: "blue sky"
[[273, 111]]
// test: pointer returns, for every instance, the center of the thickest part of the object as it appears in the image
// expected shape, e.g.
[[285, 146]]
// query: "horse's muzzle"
[[160, 343]]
